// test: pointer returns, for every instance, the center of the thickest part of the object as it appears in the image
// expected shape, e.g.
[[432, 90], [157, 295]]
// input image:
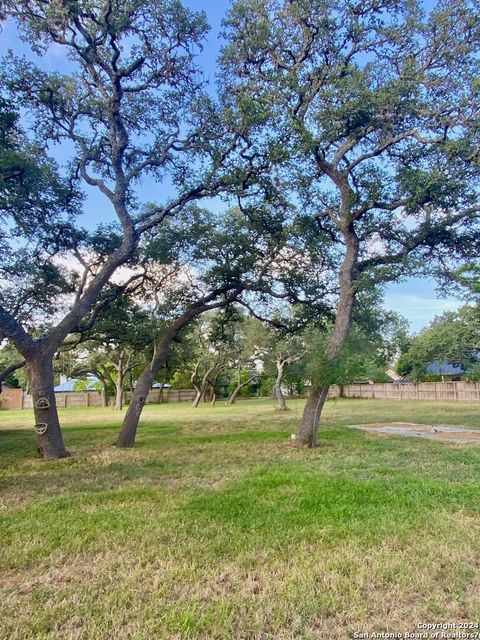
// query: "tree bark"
[[213, 384], [126, 436], [104, 393], [104, 381], [203, 387], [128, 431], [308, 429], [281, 404], [47, 425], [307, 433], [38, 353], [238, 388], [119, 384], [193, 380], [161, 394], [130, 381]]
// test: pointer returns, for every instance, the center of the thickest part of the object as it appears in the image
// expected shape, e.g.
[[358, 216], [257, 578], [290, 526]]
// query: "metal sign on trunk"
[[41, 428], [42, 403]]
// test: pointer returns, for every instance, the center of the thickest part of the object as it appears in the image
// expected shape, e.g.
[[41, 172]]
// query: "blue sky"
[[414, 298]]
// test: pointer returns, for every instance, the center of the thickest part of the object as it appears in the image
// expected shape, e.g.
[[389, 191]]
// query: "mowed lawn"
[[214, 527]]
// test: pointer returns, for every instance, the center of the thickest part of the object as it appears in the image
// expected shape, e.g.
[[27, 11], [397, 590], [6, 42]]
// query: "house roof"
[[444, 369], [69, 385]]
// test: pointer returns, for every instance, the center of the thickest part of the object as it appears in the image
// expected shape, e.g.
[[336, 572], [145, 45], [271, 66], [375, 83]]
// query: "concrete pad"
[[442, 432]]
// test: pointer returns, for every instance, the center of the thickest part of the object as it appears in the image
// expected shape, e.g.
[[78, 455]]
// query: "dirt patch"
[[443, 432]]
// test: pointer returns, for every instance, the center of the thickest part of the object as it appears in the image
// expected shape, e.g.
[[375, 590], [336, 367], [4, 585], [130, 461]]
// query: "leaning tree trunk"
[[281, 404], [238, 388], [47, 425], [126, 436], [308, 430], [213, 384], [128, 431], [213, 401], [198, 396], [307, 433], [198, 393], [203, 387]]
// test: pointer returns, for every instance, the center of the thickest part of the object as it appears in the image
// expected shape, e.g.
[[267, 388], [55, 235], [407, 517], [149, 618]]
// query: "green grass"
[[213, 527]]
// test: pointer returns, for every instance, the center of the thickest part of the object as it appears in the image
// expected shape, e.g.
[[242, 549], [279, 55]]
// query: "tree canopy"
[[375, 105]]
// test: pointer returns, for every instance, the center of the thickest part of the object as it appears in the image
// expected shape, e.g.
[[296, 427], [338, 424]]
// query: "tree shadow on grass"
[[17, 445]]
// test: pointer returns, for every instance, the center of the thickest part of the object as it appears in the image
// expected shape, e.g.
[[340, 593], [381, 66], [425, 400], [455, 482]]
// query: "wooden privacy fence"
[[71, 399], [94, 398], [455, 391], [11, 399], [450, 391], [157, 396]]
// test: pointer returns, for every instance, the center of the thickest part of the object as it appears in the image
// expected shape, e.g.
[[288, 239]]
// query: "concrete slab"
[[442, 432]]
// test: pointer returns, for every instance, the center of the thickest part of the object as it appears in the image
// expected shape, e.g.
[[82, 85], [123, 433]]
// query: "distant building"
[[68, 385], [446, 370]]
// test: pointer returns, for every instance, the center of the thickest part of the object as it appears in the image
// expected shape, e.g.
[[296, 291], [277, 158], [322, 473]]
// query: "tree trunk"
[[238, 388], [119, 385], [119, 394], [160, 394], [104, 394], [193, 379], [213, 384], [128, 431], [213, 401], [307, 432], [47, 425], [203, 387], [198, 397], [126, 436], [281, 404], [130, 381]]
